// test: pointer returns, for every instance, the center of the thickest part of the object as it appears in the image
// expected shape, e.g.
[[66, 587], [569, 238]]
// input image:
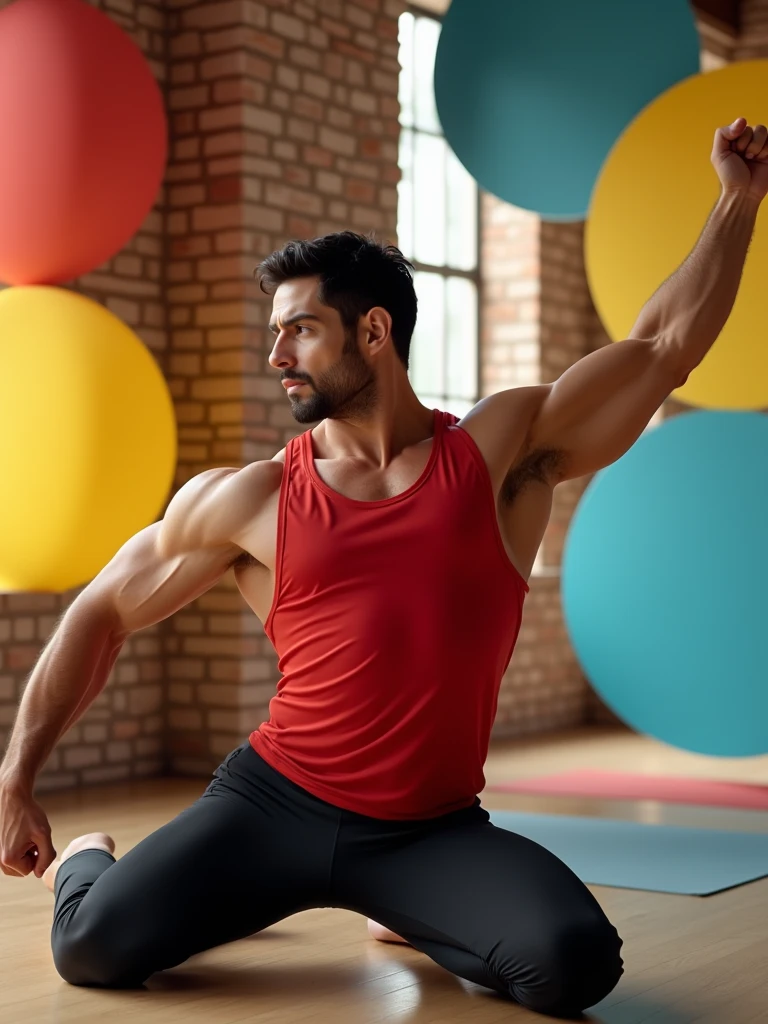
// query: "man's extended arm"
[[599, 407], [159, 570]]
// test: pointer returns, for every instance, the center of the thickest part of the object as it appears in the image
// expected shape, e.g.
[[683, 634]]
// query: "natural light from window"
[[437, 224]]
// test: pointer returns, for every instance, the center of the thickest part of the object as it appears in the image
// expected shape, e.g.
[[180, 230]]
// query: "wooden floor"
[[687, 959]]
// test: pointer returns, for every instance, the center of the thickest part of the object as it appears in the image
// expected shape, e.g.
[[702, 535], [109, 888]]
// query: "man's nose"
[[281, 357]]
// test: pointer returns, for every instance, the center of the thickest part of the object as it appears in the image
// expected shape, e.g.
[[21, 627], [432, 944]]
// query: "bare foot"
[[378, 931], [92, 841]]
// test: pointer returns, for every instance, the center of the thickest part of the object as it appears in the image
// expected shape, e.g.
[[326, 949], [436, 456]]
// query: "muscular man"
[[386, 552]]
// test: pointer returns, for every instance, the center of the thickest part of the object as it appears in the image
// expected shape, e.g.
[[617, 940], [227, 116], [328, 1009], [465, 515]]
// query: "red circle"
[[83, 140]]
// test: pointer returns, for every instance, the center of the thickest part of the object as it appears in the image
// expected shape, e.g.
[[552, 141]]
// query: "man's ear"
[[378, 328]]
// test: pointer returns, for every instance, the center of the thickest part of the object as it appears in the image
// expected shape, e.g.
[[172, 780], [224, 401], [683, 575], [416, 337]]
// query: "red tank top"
[[393, 622]]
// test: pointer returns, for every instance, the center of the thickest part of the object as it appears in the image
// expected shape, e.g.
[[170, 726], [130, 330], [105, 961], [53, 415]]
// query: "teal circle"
[[532, 96], [664, 583]]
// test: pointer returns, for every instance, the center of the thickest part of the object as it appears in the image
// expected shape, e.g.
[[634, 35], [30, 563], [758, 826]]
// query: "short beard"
[[347, 390]]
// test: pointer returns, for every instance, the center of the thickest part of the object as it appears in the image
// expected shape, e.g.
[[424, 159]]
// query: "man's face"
[[312, 349]]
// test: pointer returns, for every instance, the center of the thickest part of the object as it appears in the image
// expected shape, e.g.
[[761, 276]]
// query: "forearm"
[[71, 672], [690, 309]]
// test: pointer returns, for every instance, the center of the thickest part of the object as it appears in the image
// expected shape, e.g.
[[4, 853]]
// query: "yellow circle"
[[650, 204], [87, 438]]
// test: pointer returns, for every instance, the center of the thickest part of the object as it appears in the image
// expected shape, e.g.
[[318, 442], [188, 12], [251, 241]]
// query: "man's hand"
[[740, 157], [25, 835]]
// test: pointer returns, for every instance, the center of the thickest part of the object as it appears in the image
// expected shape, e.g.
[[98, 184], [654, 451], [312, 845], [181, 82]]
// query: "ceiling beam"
[[725, 12]]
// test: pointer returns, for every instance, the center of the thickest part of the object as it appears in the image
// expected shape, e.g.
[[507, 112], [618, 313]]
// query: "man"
[[386, 552]]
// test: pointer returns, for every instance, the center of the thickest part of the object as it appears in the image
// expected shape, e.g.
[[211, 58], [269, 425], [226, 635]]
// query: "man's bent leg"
[[488, 905], [74, 878], [228, 866]]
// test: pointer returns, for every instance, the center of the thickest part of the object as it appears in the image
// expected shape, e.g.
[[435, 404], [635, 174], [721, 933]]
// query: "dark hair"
[[356, 273]]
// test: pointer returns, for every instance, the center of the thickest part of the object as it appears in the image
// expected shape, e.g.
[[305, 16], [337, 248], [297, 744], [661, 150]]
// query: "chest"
[[438, 540], [358, 480]]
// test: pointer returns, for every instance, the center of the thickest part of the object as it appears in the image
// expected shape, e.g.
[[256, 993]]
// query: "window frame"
[[474, 275]]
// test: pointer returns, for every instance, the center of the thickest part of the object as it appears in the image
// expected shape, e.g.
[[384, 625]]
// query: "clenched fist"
[[740, 157], [25, 835]]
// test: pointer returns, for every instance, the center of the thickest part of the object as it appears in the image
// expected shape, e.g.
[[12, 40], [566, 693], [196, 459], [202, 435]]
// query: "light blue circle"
[[665, 573], [533, 95]]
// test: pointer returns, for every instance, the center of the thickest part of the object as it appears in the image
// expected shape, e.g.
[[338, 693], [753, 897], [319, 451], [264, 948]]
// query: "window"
[[437, 224]]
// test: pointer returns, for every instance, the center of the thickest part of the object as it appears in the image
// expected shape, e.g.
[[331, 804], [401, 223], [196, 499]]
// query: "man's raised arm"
[[599, 407]]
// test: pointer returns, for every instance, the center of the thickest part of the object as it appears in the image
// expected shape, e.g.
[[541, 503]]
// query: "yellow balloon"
[[651, 201], [87, 438]]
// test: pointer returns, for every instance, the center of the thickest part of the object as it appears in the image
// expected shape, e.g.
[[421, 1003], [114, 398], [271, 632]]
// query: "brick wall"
[[511, 296]]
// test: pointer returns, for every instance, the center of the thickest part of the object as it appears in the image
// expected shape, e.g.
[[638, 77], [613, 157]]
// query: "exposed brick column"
[[752, 43], [284, 125], [538, 319], [511, 296], [567, 325]]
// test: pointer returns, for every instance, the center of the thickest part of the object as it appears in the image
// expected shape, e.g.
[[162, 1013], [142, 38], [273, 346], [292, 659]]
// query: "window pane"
[[427, 369], [425, 47], [429, 199], [457, 406], [461, 338], [405, 194], [461, 209], [405, 38], [437, 226]]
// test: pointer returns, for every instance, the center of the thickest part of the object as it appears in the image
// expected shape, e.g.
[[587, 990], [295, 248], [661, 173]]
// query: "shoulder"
[[501, 426], [217, 505], [228, 483], [522, 401]]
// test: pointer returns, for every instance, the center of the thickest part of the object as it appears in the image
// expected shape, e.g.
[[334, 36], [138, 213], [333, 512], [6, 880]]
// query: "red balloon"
[[83, 140]]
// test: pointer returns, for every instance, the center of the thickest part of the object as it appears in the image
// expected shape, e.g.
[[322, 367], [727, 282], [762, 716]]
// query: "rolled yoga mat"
[[656, 858], [628, 786]]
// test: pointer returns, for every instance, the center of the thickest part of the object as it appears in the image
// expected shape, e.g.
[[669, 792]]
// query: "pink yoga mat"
[[622, 786]]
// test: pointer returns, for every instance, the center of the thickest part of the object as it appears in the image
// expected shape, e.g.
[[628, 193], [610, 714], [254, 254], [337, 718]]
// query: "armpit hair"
[[245, 561], [540, 466]]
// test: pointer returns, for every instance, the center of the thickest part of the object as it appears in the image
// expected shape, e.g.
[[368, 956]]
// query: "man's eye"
[[300, 327]]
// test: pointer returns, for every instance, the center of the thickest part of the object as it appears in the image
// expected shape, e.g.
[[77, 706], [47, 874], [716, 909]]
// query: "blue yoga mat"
[[659, 858]]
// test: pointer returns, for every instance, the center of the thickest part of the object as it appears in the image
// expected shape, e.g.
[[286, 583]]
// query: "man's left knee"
[[570, 969]]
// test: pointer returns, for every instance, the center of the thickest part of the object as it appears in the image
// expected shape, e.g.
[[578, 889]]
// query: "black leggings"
[[484, 903]]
